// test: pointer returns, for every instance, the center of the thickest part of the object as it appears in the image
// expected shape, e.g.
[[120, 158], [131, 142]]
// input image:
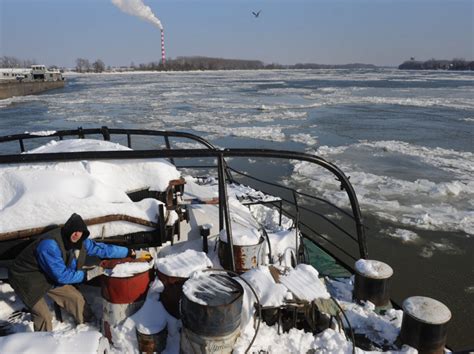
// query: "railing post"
[[168, 146], [224, 209], [105, 133]]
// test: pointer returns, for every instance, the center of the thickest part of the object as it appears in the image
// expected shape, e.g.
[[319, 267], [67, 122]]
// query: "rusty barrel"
[[172, 292], [372, 282], [152, 343], [211, 309], [245, 257], [122, 296], [425, 324], [173, 270]]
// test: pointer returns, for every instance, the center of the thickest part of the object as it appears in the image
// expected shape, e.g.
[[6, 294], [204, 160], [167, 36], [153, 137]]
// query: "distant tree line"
[[12, 62], [332, 66], [433, 64], [84, 66]]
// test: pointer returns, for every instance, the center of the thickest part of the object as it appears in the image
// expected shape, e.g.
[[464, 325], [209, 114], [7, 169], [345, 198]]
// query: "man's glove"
[[131, 253], [94, 272], [145, 255]]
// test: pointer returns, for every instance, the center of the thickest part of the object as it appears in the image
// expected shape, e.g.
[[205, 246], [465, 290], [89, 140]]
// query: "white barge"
[[27, 81]]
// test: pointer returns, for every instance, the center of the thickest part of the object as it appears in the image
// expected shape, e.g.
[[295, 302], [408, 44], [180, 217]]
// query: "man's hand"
[[144, 255], [94, 272], [131, 253]]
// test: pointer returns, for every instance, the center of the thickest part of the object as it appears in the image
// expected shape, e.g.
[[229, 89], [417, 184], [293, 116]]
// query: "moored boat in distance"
[[27, 81], [239, 264]]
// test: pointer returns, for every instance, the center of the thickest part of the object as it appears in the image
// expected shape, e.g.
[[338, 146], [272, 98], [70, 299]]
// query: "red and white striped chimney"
[[163, 56]]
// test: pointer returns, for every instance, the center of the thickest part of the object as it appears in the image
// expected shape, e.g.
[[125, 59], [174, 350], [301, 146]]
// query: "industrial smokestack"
[[139, 9], [163, 55]]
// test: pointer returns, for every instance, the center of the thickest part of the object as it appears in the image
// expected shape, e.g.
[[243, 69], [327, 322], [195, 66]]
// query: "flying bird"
[[256, 14]]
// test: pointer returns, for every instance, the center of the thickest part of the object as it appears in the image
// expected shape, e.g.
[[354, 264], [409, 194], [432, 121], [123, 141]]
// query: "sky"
[[380, 32]]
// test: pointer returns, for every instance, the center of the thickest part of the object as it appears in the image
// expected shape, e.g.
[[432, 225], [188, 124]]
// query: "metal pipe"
[[168, 146], [224, 205]]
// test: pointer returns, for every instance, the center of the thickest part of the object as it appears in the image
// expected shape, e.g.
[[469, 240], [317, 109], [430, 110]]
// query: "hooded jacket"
[[52, 260]]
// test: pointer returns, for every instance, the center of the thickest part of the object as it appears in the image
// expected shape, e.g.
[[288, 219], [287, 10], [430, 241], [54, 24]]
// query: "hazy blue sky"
[[382, 32]]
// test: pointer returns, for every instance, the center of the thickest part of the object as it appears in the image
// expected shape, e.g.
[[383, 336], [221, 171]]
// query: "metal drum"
[[211, 309], [152, 343], [172, 292], [245, 257], [122, 297]]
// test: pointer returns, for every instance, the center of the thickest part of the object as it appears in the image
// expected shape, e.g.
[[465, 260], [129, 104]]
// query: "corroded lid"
[[426, 309]]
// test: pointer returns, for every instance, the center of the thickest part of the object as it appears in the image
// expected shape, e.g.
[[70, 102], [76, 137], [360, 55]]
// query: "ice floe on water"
[[402, 234], [443, 246], [444, 203], [306, 139]]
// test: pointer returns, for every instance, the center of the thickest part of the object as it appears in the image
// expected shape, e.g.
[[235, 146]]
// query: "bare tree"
[[82, 65], [98, 66], [12, 62]]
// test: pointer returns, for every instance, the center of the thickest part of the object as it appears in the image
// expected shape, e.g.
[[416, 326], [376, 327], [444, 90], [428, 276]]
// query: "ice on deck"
[[40, 194], [128, 269], [89, 342], [183, 264], [303, 281]]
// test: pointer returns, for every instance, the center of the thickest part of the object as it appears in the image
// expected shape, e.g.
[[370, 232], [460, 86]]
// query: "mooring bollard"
[[372, 282], [425, 324]]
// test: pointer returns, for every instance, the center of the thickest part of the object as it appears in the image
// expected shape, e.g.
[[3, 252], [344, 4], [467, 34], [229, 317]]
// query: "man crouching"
[[51, 263]]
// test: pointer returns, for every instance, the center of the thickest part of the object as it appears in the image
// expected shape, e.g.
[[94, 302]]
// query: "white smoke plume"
[[139, 9]]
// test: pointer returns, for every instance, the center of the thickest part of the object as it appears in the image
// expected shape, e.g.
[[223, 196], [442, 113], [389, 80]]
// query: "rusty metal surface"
[[246, 257], [172, 293], [219, 319], [152, 343]]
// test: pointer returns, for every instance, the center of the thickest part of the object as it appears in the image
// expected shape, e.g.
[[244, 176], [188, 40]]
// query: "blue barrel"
[[211, 304]]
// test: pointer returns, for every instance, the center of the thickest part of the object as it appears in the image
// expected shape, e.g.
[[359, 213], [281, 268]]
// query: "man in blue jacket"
[[52, 263]]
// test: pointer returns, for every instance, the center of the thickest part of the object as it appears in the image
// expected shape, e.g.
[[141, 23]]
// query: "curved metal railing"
[[208, 151]]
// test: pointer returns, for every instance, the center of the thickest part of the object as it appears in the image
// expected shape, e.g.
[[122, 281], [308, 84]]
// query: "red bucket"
[[125, 290]]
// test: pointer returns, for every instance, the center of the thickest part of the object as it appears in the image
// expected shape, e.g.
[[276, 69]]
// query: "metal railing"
[[223, 171]]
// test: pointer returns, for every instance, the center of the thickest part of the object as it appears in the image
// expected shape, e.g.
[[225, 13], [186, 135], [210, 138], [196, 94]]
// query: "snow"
[[304, 282], [427, 310], [54, 343], [183, 264], [373, 269], [128, 269], [209, 289], [269, 293], [49, 193]]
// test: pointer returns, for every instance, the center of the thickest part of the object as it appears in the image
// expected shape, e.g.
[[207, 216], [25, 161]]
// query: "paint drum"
[[425, 324], [198, 344], [172, 293], [114, 314], [211, 305], [245, 257], [122, 297], [152, 343], [128, 289], [373, 287]]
